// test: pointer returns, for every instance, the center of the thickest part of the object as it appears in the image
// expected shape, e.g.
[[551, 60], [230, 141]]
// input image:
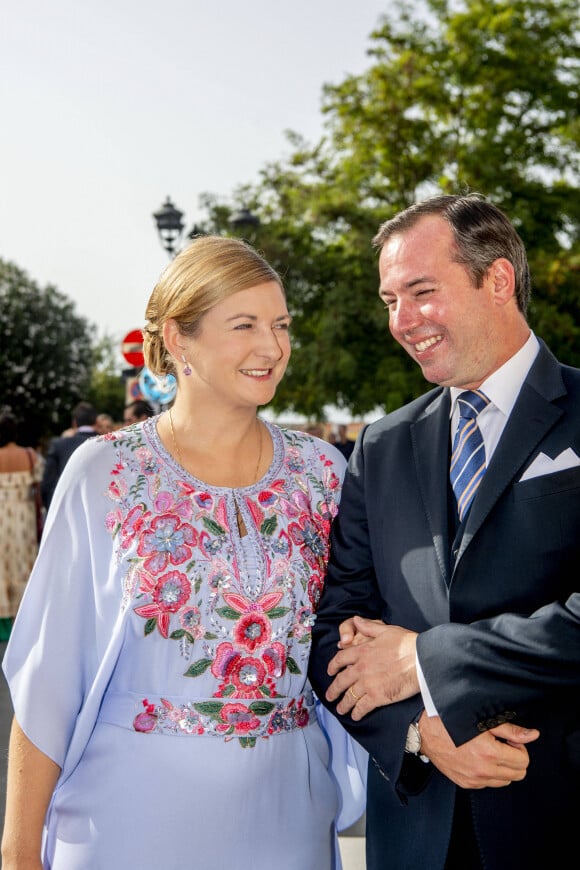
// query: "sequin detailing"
[[240, 611]]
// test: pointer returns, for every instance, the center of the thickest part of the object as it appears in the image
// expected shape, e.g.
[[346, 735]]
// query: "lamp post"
[[170, 226], [243, 219]]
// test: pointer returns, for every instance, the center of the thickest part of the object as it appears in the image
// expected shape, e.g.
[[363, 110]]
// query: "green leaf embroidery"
[[277, 612], [261, 708], [179, 633], [150, 625], [269, 525], [228, 612], [209, 708], [198, 668], [292, 666], [214, 527]]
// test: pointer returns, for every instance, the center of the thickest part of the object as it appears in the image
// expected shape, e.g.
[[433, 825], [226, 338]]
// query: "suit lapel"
[[532, 417], [430, 440]]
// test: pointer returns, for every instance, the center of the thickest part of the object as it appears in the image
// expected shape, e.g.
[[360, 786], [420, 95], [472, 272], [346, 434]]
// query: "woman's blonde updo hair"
[[207, 271]]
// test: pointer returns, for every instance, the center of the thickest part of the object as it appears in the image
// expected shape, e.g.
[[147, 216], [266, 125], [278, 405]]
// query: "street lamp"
[[244, 218], [169, 225]]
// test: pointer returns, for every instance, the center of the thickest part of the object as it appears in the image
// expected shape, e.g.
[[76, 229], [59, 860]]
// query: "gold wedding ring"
[[352, 692]]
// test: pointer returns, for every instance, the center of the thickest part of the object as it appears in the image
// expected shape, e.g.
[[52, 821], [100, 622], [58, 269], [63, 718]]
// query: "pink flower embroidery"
[[307, 534], [132, 525], [238, 717], [315, 587], [171, 591], [166, 541], [245, 673], [252, 631]]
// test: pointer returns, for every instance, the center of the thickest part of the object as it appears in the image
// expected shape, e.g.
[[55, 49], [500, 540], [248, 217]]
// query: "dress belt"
[[244, 718]]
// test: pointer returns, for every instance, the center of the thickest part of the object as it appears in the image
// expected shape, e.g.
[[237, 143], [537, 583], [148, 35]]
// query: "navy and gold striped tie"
[[468, 455]]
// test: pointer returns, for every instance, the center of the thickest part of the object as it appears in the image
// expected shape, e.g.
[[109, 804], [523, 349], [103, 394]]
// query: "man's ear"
[[502, 274]]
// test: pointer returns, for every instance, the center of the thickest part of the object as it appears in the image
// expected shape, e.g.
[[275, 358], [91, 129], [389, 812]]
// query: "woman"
[[163, 717], [20, 473]]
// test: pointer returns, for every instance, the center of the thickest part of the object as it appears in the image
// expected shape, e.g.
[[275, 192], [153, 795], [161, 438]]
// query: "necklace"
[[177, 451]]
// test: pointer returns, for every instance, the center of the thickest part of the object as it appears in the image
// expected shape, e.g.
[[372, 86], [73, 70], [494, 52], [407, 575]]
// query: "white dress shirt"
[[502, 389]]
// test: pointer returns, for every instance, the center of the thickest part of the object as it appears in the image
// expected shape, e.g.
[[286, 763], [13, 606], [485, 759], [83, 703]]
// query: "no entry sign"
[[132, 348]]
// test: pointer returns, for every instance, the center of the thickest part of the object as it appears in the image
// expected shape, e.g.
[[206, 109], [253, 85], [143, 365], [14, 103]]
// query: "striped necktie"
[[468, 455]]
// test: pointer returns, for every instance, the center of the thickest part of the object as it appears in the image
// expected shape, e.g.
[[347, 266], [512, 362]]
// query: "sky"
[[108, 107]]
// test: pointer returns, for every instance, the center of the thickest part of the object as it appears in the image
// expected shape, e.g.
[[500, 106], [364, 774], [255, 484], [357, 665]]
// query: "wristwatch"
[[413, 742]]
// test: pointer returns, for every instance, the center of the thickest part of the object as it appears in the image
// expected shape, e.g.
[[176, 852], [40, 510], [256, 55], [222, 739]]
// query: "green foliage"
[[478, 95], [106, 390], [45, 354]]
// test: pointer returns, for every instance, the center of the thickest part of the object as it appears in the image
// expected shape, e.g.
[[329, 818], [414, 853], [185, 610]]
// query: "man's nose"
[[403, 317]]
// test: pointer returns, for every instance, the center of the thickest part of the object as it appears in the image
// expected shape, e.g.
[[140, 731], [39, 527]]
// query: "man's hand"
[[493, 759], [375, 666]]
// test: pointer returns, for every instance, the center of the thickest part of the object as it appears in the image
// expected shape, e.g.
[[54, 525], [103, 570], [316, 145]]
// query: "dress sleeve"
[[61, 643]]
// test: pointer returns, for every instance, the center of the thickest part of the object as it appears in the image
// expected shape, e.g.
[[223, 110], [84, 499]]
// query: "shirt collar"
[[503, 386]]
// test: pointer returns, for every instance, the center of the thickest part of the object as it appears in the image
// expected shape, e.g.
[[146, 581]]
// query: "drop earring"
[[186, 367]]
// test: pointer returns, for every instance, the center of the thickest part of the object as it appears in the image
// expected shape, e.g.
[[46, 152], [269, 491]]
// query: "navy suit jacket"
[[497, 609], [58, 454]]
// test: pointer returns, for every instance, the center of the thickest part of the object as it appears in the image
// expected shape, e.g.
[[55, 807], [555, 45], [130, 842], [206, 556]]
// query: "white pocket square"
[[543, 464]]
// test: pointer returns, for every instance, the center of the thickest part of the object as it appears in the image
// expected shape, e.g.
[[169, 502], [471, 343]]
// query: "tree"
[[45, 354], [475, 95], [106, 391]]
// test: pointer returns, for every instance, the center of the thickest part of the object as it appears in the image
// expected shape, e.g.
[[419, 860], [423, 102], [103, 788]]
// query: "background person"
[[158, 667], [342, 442], [60, 449], [483, 608], [104, 424], [137, 411], [20, 471]]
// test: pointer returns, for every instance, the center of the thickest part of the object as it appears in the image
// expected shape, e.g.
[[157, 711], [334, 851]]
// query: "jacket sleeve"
[[511, 667], [351, 588]]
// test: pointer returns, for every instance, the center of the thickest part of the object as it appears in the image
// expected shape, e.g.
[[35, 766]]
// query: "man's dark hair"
[[482, 235], [141, 408], [84, 414]]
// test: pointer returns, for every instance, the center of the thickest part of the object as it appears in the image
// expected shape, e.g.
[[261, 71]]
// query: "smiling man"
[[452, 587]]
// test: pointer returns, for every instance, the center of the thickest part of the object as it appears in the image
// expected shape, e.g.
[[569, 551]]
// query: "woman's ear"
[[173, 339]]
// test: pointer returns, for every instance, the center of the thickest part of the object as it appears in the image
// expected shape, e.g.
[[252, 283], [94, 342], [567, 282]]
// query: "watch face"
[[413, 742]]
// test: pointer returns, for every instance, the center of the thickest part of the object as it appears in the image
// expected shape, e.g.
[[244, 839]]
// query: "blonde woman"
[[163, 716]]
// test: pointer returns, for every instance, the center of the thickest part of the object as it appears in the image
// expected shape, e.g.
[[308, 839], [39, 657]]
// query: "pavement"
[[352, 841]]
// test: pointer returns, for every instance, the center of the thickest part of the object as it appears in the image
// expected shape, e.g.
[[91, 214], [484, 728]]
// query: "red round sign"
[[132, 348]]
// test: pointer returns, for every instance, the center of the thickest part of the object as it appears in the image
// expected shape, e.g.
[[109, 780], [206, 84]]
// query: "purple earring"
[[186, 368]]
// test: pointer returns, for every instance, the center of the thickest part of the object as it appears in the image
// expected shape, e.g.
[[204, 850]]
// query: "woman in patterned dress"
[[158, 665], [20, 470]]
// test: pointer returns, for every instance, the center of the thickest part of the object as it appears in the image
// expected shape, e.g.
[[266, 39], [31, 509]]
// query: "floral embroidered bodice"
[[237, 612]]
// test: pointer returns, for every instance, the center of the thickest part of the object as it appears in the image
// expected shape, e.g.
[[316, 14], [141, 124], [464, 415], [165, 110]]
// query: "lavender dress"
[[160, 660]]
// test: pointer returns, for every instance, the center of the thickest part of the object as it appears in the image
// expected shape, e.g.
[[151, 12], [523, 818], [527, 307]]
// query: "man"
[[342, 442], [137, 411], [469, 639], [104, 424], [61, 449]]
